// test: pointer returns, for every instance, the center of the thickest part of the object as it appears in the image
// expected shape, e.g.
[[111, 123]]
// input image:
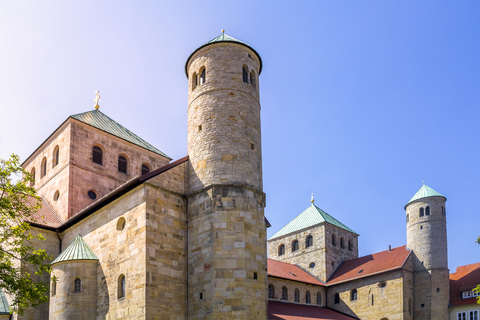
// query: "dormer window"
[[469, 294]]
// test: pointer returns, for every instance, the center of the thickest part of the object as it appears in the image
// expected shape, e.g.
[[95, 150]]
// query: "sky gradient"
[[361, 100]]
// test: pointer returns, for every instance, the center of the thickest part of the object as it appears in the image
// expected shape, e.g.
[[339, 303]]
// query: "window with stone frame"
[[122, 164], [353, 295], [281, 250], [308, 297], [43, 167], [427, 211], [245, 74], [271, 291], [97, 155], [121, 286], [203, 76], [284, 293], [77, 285], [422, 212], [309, 241], [294, 245], [56, 156], [296, 296]]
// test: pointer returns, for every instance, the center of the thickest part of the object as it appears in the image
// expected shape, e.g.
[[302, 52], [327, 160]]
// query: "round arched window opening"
[[121, 224], [92, 195], [382, 284], [311, 265], [56, 195]]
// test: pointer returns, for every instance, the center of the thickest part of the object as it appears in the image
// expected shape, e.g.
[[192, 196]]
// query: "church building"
[[137, 235]]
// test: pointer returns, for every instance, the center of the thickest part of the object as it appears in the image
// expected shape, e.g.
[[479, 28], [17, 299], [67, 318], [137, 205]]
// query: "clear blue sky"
[[361, 100]]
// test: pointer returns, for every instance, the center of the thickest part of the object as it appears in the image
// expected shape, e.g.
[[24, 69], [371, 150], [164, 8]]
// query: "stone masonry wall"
[[224, 131], [373, 301], [322, 253], [86, 175], [120, 251], [226, 248], [57, 177], [314, 290]]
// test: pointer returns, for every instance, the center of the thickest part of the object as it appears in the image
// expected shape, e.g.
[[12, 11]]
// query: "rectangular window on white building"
[[473, 315], [462, 316]]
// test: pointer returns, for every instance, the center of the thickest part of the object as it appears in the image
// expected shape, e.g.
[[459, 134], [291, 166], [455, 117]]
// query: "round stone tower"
[[226, 224], [427, 238]]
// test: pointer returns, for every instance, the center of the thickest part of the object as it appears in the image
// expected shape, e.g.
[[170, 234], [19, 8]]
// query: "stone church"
[[138, 235]]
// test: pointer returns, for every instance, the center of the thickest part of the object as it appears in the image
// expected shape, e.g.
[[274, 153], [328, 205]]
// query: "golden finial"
[[97, 97], [312, 199], [223, 31], [423, 181]]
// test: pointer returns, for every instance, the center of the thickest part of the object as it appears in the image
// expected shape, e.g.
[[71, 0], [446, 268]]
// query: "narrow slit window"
[[203, 77], [427, 211], [245, 74], [194, 80], [43, 168], [422, 212], [307, 297], [271, 291], [121, 286], [296, 296], [56, 156], [77, 285], [319, 298]]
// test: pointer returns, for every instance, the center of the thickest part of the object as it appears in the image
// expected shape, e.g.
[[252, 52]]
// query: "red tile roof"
[[465, 278], [369, 265], [291, 272], [288, 311], [45, 216]]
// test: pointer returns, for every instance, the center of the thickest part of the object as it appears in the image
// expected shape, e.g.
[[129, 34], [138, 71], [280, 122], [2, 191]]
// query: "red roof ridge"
[[285, 270]]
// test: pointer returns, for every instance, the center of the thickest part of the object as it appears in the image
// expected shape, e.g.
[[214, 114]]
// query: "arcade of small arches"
[[199, 78], [309, 243], [296, 295], [425, 211]]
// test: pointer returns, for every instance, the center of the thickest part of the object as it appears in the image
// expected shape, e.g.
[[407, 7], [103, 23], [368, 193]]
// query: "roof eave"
[[413, 201]]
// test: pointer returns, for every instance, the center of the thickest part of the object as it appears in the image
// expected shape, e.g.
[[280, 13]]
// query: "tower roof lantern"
[[224, 38], [425, 192], [312, 216], [78, 249]]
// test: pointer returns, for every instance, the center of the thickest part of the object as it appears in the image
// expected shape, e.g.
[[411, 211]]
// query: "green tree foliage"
[[21, 265]]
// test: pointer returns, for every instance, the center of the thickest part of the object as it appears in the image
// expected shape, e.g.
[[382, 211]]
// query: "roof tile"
[[369, 265], [291, 272], [288, 311], [45, 216], [465, 278]]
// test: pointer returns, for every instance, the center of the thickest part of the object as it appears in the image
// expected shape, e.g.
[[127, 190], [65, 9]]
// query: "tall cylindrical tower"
[[226, 226], [427, 238]]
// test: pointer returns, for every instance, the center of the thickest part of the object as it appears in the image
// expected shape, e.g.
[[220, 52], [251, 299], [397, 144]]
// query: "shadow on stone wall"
[[103, 302]]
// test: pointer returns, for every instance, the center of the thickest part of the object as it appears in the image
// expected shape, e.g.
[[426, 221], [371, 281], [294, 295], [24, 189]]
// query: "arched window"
[[350, 247], [32, 173], [353, 295], [54, 288], [307, 297], [253, 79], [203, 77], [194, 80], [427, 211], [97, 155], [337, 298], [408, 217], [319, 298], [421, 212], [281, 250], [56, 156], [121, 286], [43, 167], [334, 241], [122, 164], [443, 211], [309, 241], [296, 296], [145, 169], [271, 291], [245, 74], [342, 245], [77, 285], [284, 293], [295, 246]]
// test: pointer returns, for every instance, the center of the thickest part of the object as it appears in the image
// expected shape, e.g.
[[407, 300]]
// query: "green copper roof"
[[424, 192], [225, 38], [4, 306], [99, 120], [312, 216], [78, 249]]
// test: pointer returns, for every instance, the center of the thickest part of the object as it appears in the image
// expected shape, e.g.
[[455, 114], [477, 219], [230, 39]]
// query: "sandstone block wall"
[[226, 249], [67, 304], [314, 290], [322, 253], [86, 175], [373, 301], [57, 177], [224, 132], [431, 294]]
